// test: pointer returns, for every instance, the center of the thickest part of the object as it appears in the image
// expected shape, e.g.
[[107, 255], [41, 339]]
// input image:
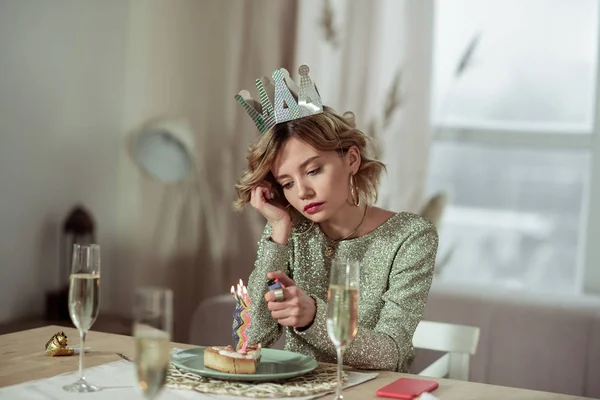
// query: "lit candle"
[[246, 297], [241, 316], [241, 297], [234, 294]]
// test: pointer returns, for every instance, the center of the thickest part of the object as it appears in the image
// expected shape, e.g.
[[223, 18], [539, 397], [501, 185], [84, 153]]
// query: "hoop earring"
[[354, 192]]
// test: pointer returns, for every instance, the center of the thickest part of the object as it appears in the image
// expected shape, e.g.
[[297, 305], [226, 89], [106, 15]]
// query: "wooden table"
[[22, 358]]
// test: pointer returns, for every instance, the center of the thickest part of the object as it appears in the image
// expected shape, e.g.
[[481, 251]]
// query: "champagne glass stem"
[[340, 356], [81, 351]]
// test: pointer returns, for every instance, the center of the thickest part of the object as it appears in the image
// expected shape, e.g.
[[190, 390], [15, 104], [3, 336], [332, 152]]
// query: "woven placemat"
[[322, 379]]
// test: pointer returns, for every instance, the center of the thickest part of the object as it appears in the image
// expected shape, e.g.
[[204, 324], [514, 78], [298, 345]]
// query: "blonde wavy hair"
[[324, 132]]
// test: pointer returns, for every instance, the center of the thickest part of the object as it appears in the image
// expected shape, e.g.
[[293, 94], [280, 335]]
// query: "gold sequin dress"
[[396, 260]]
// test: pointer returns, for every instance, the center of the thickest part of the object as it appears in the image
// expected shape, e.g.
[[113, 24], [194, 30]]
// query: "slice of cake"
[[226, 359]]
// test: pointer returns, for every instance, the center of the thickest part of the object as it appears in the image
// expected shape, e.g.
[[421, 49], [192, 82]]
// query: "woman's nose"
[[305, 191]]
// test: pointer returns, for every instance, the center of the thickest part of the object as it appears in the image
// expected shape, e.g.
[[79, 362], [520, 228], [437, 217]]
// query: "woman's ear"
[[353, 159]]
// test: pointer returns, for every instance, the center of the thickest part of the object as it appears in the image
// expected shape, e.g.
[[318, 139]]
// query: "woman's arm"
[[388, 345], [271, 257]]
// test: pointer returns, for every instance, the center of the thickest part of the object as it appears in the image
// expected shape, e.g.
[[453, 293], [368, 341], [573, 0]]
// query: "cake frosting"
[[251, 352]]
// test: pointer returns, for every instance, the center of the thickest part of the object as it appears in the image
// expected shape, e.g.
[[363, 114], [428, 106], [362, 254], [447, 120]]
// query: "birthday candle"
[[246, 297], [241, 316], [243, 331], [237, 325], [237, 321], [233, 293], [248, 319], [241, 297]]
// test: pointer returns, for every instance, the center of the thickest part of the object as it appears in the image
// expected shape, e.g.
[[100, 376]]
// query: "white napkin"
[[118, 381]]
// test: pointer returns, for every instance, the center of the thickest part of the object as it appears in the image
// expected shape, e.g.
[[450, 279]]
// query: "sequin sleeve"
[[389, 345], [271, 257]]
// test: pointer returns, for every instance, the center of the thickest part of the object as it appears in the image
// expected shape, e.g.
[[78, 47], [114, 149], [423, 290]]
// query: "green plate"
[[274, 365]]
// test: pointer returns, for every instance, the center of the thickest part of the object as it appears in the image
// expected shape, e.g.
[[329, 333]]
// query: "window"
[[513, 112], [517, 63]]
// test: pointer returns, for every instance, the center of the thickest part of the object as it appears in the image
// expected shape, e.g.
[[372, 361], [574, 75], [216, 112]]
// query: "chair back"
[[459, 342]]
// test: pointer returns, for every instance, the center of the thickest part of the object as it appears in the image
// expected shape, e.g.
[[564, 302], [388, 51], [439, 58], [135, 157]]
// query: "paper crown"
[[278, 99]]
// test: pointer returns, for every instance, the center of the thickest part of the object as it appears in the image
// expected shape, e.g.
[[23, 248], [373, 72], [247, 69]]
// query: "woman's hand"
[[276, 214], [297, 308]]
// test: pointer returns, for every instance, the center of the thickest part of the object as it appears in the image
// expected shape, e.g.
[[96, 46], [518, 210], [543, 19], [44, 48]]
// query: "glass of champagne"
[[153, 322], [342, 309], [84, 302]]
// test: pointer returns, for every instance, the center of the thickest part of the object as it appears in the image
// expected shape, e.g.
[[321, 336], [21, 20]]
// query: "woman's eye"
[[314, 171], [287, 185]]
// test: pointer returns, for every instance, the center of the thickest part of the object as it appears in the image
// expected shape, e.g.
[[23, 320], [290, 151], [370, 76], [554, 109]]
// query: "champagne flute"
[[342, 309], [153, 321], [84, 302]]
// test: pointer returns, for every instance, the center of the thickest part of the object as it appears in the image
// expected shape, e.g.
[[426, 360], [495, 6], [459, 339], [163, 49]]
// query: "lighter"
[[276, 287]]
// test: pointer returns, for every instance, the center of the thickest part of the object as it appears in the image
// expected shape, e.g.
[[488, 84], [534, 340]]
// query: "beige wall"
[[62, 69], [76, 77], [183, 60]]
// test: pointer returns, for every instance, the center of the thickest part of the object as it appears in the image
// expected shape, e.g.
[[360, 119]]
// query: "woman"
[[311, 177]]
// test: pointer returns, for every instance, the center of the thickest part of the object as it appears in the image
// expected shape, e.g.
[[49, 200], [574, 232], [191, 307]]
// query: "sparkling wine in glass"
[[84, 302], [342, 309], [153, 320]]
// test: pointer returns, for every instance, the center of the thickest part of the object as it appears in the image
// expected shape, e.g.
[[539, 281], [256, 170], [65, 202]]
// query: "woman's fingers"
[[285, 280], [260, 194], [297, 309], [286, 312], [282, 305], [288, 294], [255, 197]]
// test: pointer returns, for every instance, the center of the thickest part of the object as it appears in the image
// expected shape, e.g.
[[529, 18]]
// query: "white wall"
[[591, 276], [62, 69]]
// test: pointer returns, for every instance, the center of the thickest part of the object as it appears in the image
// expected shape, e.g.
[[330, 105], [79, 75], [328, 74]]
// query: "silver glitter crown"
[[278, 99]]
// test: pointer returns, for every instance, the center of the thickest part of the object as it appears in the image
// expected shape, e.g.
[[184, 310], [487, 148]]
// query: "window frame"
[[588, 252]]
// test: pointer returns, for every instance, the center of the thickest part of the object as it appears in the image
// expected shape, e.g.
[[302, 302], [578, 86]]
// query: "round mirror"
[[164, 151]]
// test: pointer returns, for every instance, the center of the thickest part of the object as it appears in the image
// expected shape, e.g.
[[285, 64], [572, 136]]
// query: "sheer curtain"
[[374, 58]]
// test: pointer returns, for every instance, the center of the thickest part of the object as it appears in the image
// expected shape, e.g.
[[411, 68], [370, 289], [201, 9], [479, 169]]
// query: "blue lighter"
[[273, 283]]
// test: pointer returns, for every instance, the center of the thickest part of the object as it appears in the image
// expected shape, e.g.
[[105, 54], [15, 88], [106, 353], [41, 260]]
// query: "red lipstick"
[[312, 208]]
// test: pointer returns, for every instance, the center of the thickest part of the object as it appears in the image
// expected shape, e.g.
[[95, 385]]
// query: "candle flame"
[[240, 293]]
